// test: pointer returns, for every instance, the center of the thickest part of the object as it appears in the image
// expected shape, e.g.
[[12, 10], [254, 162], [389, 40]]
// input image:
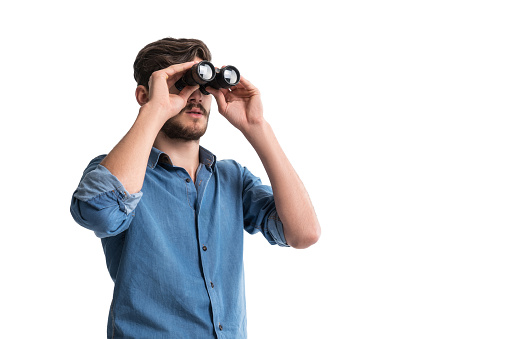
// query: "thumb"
[[186, 92], [220, 99]]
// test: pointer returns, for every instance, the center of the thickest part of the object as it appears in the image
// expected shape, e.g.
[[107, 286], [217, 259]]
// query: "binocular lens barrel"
[[205, 74], [226, 77], [200, 74]]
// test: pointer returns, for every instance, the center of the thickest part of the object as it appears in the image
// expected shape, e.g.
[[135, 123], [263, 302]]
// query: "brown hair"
[[164, 53]]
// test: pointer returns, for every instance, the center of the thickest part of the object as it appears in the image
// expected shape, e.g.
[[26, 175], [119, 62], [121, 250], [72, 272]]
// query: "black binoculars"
[[205, 74]]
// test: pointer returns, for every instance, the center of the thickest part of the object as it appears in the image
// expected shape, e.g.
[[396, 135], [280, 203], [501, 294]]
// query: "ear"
[[141, 95]]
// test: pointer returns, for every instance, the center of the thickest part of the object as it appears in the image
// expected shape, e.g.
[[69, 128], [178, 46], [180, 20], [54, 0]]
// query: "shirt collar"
[[206, 157]]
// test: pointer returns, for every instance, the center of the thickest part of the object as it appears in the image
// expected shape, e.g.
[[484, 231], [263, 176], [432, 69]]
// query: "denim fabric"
[[174, 250]]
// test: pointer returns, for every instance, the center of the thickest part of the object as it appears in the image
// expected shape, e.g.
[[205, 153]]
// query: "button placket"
[[201, 182]]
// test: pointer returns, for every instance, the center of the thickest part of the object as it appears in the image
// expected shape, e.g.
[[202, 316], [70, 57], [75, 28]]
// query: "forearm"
[[294, 207], [128, 159]]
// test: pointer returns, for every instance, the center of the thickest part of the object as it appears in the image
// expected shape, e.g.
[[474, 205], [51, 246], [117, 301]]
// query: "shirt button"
[[220, 327], [211, 284], [204, 247], [188, 180]]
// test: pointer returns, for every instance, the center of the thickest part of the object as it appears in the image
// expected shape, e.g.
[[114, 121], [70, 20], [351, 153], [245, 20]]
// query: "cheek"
[[207, 101]]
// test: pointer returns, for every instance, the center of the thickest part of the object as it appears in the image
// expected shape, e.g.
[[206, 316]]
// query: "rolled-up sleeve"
[[260, 213], [101, 203]]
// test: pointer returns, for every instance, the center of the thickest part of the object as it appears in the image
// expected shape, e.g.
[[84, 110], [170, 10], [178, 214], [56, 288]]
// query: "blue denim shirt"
[[174, 250]]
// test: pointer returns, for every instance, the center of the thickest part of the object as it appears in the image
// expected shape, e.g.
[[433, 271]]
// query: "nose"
[[196, 97]]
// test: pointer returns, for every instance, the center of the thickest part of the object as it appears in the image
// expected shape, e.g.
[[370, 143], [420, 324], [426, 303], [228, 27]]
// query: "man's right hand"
[[128, 159], [163, 97]]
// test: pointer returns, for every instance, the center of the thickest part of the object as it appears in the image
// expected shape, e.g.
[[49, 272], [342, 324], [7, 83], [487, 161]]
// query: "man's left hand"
[[241, 105]]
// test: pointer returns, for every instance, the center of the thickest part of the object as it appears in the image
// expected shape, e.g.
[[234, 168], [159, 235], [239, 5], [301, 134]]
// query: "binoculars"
[[205, 74]]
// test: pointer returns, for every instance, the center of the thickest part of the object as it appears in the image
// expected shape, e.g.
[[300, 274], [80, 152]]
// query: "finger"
[[157, 85], [178, 68], [161, 80], [246, 84], [210, 89], [187, 91], [237, 87], [220, 98]]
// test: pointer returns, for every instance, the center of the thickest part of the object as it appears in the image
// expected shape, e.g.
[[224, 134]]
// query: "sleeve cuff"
[[275, 229], [100, 181]]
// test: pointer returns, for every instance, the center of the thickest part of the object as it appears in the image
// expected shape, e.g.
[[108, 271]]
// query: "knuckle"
[[159, 74]]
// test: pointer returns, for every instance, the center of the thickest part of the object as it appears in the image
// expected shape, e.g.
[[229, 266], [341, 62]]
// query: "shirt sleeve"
[[260, 213], [101, 203]]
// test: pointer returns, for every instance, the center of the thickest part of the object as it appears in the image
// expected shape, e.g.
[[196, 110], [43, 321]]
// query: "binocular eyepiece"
[[205, 74]]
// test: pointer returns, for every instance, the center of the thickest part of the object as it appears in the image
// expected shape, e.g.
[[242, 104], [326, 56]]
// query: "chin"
[[175, 129]]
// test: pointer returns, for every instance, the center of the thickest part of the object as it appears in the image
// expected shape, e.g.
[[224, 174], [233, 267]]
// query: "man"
[[171, 217]]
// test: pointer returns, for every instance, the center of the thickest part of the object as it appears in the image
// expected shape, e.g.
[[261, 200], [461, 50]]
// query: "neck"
[[183, 153]]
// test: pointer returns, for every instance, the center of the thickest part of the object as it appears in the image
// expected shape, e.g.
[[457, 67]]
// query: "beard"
[[175, 129]]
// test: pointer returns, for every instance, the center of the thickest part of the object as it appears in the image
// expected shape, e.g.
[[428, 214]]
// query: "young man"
[[171, 217]]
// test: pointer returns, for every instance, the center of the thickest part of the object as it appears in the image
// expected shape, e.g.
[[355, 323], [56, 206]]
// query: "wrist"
[[259, 133], [154, 113], [152, 120]]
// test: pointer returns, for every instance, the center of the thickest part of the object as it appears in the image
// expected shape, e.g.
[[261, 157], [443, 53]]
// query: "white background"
[[394, 114]]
